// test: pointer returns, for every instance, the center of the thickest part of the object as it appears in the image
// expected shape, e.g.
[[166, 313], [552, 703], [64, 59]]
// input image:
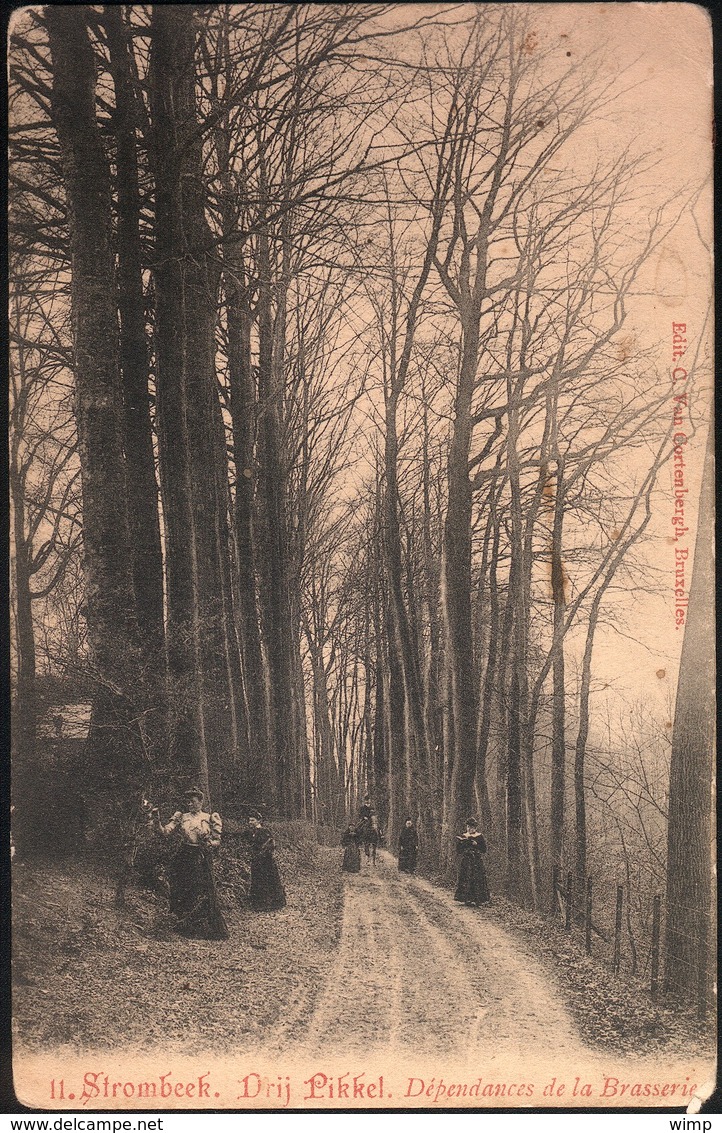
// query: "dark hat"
[[471, 822], [193, 792]]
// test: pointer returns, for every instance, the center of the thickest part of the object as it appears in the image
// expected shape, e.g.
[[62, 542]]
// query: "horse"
[[369, 837]]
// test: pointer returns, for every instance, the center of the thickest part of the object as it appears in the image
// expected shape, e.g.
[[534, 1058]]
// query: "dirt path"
[[416, 972]]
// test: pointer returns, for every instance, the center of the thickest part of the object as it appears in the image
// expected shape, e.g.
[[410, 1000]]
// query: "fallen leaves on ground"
[[97, 977], [612, 1012]]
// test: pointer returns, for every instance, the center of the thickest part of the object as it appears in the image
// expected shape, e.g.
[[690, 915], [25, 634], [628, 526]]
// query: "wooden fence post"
[[618, 929], [655, 947], [570, 897], [588, 919]]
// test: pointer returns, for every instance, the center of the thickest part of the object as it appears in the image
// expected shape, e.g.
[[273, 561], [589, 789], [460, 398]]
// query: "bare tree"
[[43, 476], [110, 604]]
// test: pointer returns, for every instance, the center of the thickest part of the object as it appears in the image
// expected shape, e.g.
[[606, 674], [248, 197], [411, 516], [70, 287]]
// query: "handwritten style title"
[[355, 1088]]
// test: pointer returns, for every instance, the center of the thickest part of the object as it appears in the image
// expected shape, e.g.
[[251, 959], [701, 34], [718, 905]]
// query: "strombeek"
[[264, 1087]]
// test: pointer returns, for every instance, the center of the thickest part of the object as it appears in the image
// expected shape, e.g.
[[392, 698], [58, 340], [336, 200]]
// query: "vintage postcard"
[[361, 465]]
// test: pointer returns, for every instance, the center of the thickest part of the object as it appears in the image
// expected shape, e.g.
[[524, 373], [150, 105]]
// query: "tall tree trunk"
[[580, 748], [138, 437], [273, 539], [302, 801], [240, 749], [518, 660], [690, 840], [325, 772], [366, 774], [142, 487], [184, 236], [558, 770], [379, 779], [500, 704], [257, 776], [205, 431], [110, 603], [456, 597], [415, 748], [186, 739], [395, 732], [430, 614], [491, 672], [242, 404]]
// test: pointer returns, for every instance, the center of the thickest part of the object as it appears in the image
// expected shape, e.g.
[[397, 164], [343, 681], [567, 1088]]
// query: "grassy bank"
[[96, 976], [614, 1013]]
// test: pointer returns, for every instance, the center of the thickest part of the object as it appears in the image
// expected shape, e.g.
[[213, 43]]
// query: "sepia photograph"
[[361, 471]]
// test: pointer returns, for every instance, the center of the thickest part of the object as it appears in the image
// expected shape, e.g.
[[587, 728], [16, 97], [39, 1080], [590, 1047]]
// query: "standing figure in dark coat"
[[193, 898], [408, 847], [471, 885], [352, 853], [266, 891]]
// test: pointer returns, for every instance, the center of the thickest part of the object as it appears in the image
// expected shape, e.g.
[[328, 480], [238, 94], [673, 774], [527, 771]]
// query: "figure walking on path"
[[193, 897], [471, 885], [266, 891], [408, 847], [352, 852]]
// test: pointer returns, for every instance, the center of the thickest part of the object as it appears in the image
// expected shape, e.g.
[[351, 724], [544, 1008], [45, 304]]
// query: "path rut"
[[417, 973]]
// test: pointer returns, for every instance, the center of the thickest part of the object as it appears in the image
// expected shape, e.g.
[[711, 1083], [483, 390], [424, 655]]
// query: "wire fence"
[[601, 914]]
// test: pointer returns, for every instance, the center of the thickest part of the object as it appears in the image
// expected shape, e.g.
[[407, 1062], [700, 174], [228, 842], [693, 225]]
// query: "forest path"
[[418, 973]]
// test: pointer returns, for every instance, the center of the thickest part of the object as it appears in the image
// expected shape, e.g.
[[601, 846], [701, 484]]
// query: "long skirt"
[[471, 885], [193, 897], [266, 891], [407, 859], [351, 858]]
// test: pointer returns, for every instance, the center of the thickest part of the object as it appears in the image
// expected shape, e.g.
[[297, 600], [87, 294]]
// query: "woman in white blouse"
[[193, 898]]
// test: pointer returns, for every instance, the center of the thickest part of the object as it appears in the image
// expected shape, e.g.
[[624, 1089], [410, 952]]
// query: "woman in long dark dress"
[[266, 892], [193, 897], [352, 852], [408, 847], [471, 885]]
